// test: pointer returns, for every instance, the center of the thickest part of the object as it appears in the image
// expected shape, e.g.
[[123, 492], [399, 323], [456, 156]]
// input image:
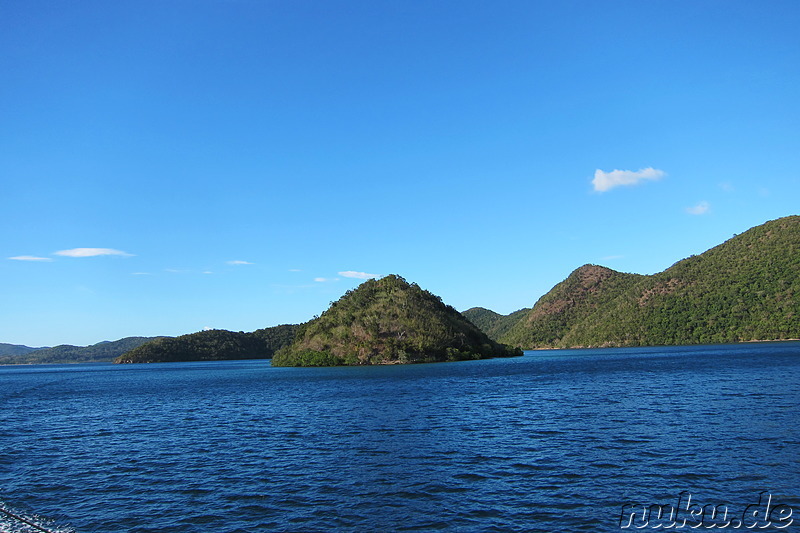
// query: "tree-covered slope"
[[494, 324], [15, 349], [385, 321], [587, 289], [212, 345], [484, 318], [102, 352], [747, 288]]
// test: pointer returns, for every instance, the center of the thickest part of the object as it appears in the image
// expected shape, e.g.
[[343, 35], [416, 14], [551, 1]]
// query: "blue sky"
[[172, 165]]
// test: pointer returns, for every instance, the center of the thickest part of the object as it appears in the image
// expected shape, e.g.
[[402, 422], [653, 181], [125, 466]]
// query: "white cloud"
[[240, 263], [357, 275], [325, 280], [91, 252], [31, 258], [604, 181], [699, 209]]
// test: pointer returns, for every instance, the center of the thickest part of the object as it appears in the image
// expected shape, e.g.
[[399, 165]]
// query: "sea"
[[557, 440]]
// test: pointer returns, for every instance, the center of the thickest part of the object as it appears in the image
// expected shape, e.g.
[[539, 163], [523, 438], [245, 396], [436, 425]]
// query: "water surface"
[[552, 441]]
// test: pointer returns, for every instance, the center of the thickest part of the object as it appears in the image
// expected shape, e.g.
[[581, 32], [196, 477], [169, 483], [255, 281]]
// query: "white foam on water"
[[13, 521]]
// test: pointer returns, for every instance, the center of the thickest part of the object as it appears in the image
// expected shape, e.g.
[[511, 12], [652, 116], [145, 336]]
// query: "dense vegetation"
[[386, 321], [15, 349], [213, 345], [747, 288], [101, 352], [494, 324]]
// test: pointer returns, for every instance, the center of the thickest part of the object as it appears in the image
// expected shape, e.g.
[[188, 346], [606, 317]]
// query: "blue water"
[[552, 441]]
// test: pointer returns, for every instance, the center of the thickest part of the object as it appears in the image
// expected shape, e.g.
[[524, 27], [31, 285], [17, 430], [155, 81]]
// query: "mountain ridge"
[[744, 289], [101, 352]]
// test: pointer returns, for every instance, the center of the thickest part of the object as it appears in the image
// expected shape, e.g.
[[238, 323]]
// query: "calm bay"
[[557, 440]]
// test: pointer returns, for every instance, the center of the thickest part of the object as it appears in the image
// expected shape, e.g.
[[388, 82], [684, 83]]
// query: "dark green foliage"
[[212, 345], [747, 288], [15, 349], [388, 321], [102, 352], [484, 318], [494, 324]]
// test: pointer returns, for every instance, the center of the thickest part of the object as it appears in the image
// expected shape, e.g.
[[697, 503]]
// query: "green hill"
[[102, 352], [747, 288], [213, 345], [15, 349], [494, 324], [386, 321]]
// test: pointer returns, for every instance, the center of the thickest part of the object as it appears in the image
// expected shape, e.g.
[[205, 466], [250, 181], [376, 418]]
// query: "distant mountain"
[[214, 345], [388, 321], [15, 349], [101, 352], [494, 324], [747, 288]]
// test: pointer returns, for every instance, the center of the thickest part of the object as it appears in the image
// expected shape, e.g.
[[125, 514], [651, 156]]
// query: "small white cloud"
[[699, 209], [357, 275], [240, 262], [325, 280], [604, 181], [31, 258], [611, 257], [142, 274], [207, 272], [92, 252]]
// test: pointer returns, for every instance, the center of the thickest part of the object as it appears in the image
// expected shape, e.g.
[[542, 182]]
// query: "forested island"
[[212, 345], [102, 352], [745, 289], [388, 321]]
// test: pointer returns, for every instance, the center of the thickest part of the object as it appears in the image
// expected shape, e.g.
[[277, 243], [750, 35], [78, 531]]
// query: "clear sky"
[[173, 165]]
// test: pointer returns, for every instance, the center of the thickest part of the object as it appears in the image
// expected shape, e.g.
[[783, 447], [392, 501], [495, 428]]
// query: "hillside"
[[386, 321], [15, 349], [747, 288], [102, 352], [212, 345], [494, 324]]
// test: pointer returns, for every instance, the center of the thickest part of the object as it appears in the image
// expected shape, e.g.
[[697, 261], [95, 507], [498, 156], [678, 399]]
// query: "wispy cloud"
[[699, 209], [92, 252], [325, 280], [605, 181], [239, 262], [357, 275], [31, 258]]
